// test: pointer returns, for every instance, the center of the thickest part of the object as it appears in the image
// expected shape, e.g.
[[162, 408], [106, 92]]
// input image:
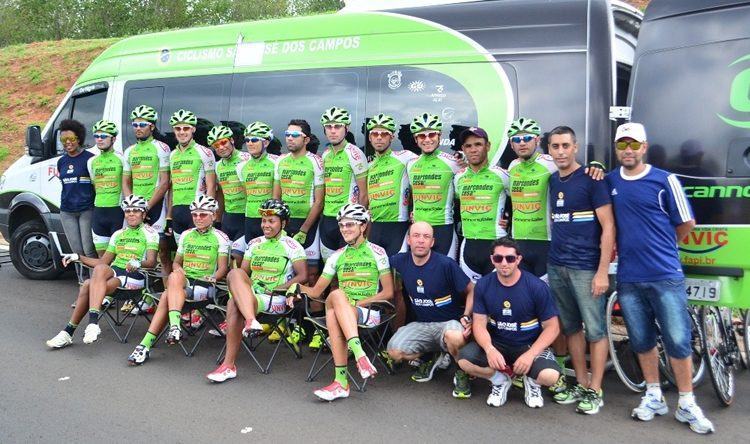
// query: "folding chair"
[[121, 296], [371, 336]]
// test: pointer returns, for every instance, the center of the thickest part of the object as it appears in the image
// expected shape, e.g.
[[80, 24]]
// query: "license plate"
[[703, 289]]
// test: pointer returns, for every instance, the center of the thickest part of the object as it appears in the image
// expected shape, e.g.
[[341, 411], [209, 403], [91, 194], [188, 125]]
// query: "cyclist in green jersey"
[[273, 261], [345, 172], [231, 189], [388, 186], [431, 178], [481, 190], [130, 249], [256, 175], [202, 259], [364, 276], [105, 170]]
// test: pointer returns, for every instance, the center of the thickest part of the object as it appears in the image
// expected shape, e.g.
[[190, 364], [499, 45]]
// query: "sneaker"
[[518, 381], [91, 334], [332, 392], [365, 367], [387, 360], [143, 307], [499, 394], [317, 341], [61, 340], [252, 330], [139, 355], [532, 393], [649, 407], [570, 395], [559, 386], [591, 402], [222, 331], [425, 370], [197, 320], [107, 302], [275, 335], [461, 385], [174, 335], [443, 361], [693, 416], [127, 307], [222, 373]]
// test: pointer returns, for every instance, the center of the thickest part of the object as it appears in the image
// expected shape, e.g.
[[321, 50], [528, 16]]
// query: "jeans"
[[77, 227], [576, 304]]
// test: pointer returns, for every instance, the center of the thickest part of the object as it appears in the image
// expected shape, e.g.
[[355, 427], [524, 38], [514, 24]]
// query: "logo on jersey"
[[506, 309], [560, 199]]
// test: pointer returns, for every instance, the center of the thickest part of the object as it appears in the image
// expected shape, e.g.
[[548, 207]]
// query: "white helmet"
[[134, 202], [354, 211], [206, 203]]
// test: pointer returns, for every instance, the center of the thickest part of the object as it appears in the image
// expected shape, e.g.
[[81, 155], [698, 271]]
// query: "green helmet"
[[259, 129], [426, 121], [144, 112], [524, 125], [336, 115], [105, 126], [382, 121], [218, 133], [183, 116]]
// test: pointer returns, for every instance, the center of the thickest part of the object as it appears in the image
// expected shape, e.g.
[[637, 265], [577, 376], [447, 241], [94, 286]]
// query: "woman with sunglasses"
[[255, 175], [77, 197], [231, 190]]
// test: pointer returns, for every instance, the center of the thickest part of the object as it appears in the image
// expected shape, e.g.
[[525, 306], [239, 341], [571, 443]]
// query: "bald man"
[[440, 296]]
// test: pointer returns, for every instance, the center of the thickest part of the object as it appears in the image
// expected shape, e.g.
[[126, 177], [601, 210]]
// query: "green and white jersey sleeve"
[[144, 161], [132, 243], [529, 186], [232, 188], [358, 269], [341, 169], [298, 178], [189, 167], [388, 186], [271, 260], [105, 170], [256, 176], [482, 197], [201, 251], [431, 178]]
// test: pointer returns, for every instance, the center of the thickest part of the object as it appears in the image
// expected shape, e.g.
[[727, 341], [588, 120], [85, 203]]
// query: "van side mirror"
[[34, 141]]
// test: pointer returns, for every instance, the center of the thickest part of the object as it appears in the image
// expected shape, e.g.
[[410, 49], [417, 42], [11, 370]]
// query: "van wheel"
[[31, 251]]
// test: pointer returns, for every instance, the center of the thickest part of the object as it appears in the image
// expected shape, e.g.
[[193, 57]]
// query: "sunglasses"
[[381, 134], [200, 214], [101, 136], [220, 143], [141, 124], [182, 129], [430, 135], [133, 210], [349, 224], [267, 212], [253, 139], [293, 134], [498, 258], [622, 146], [519, 139], [68, 139], [330, 126]]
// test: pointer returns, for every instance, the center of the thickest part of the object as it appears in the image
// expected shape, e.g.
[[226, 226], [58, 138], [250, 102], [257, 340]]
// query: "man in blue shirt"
[[515, 322], [583, 238], [652, 214], [441, 297]]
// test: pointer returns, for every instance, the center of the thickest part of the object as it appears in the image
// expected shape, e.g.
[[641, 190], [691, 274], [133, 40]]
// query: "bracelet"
[[467, 317]]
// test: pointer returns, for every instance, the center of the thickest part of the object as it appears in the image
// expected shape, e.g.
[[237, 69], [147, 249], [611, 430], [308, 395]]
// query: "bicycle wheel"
[[715, 350], [696, 344], [746, 337], [624, 359]]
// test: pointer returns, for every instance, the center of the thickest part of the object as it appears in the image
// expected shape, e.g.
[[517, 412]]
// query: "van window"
[[87, 109]]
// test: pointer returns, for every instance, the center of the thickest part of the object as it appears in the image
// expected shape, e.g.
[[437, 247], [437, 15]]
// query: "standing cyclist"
[[256, 173], [232, 189], [106, 173]]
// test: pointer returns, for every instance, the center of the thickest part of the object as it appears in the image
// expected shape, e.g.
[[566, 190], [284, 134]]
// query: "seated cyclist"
[[202, 259], [271, 262], [129, 249], [364, 277]]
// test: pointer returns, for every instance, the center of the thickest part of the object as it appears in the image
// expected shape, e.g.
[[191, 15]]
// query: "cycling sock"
[[686, 399], [498, 378], [148, 340], [174, 317], [356, 347], [71, 328], [340, 376], [93, 316], [654, 390]]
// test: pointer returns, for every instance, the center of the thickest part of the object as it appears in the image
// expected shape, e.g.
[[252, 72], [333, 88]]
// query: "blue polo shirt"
[[77, 189]]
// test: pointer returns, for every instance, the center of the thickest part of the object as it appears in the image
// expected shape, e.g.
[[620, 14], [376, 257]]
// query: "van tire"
[[31, 251]]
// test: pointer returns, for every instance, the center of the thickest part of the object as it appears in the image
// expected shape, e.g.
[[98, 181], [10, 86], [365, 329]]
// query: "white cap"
[[633, 130]]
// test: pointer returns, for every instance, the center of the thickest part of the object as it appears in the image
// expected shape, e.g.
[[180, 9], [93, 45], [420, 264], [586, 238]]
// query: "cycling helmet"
[[381, 121], [218, 133], [144, 112], [105, 126], [426, 121], [133, 202], [259, 129], [183, 116], [336, 115], [204, 202], [354, 211], [275, 206], [524, 125]]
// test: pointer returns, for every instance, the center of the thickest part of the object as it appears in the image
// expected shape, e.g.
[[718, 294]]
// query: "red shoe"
[[222, 373], [332, 392], [221, 332], [365, 367]]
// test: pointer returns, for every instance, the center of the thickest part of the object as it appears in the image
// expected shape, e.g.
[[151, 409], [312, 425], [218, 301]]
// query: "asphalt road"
[[88, 393]]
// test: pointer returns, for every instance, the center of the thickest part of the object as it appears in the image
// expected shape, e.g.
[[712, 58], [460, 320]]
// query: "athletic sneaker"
[[139, 355], [650, 405], [532, 393], [499, 394], [365, 367], [197, 320], [143, 307], [222, 373], [425, 370], [693, 416], [317, 341], [174, 335], [559, 386], [61, 340], [297, 335], [107, 302], [275, 336], [592, 401], [91, 334], [332, 392], [222, 331], [461, 385], [518, 381], [127, 307], [252, 330], [570, 395]]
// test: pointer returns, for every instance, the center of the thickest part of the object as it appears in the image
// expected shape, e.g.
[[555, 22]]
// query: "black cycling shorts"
[[182, 220], [474, 257], [534, 254], [252, 228], [389, 235], [233, 225], [293, 226], [330, 236], [104, 223], [445, 240]]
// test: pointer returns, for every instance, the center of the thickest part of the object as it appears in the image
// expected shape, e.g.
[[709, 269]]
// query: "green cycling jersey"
[[105, 170], [299, 177], [358, 269], [529, 185], [257, 177], [271, 261], [189, 167], [132, 243], [481, 196], [201, 251], [232, 188], [388, 186], [143, 162], [341, 169], [431, 178]]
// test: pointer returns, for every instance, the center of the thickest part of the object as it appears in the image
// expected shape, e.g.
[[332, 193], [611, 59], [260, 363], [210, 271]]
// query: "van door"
[[690, 87]]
